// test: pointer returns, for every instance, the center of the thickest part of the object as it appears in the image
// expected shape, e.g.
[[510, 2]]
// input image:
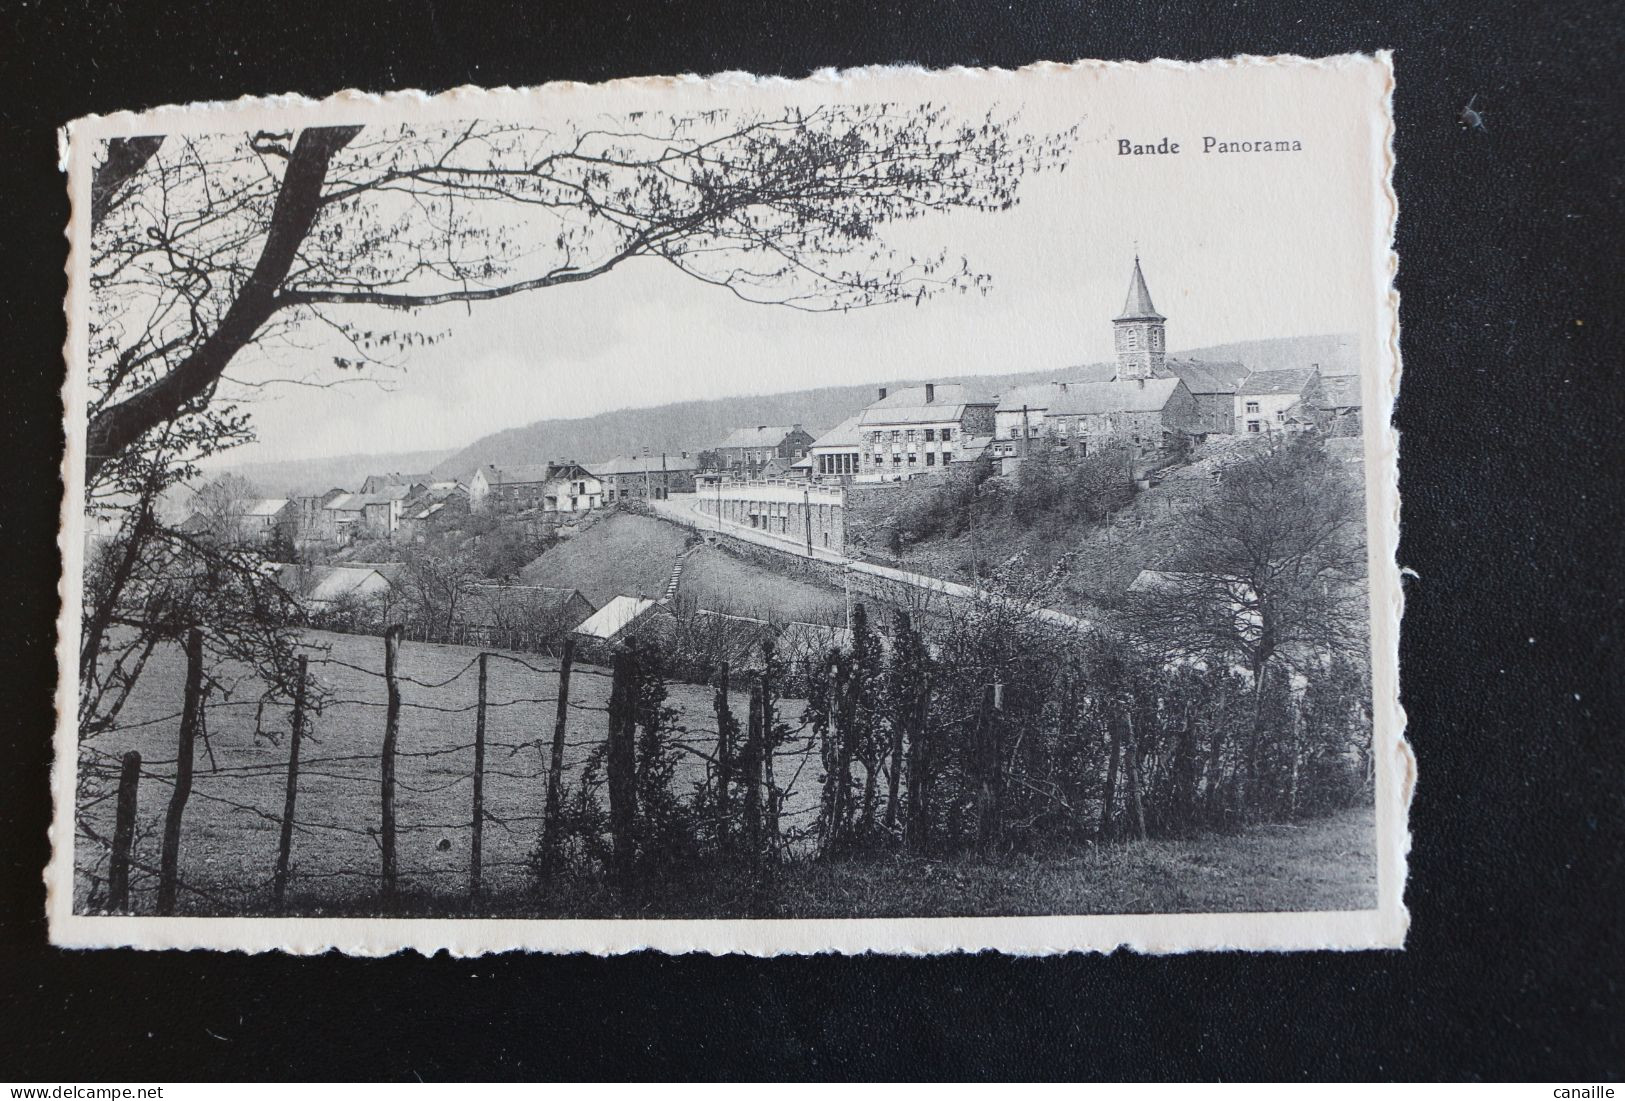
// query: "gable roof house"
[[562, 485], [378, 483], [916, 429], [1264, 397], [1147, 414], [747, 450], [634, 477], [1213, 385]]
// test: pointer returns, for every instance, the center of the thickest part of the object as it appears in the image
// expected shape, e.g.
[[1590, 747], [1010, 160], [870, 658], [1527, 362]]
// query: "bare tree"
[[204, 245], [1268, 568]]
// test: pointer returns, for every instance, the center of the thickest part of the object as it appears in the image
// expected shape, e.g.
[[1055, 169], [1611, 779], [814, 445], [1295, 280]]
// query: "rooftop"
[[1290, 380], [763, 435], [1203, 377], [908, 405], [637, 464], [1126, 396], [844, 434], [614, 617], [1138, 307]]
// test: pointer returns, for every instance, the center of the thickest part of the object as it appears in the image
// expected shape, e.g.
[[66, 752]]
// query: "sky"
[[1234, 247]]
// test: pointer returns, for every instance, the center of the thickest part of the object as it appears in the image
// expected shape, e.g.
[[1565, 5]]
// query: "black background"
[[1510, 256]]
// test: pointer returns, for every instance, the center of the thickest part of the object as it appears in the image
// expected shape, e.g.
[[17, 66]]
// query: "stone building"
[[560, 486], [747, 450], [914, 430], [637, 477], [1264, 398], [1147, 414]]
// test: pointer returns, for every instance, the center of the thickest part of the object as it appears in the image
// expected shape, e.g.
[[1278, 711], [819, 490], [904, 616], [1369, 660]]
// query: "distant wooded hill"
[[293, 477], [693, 426]]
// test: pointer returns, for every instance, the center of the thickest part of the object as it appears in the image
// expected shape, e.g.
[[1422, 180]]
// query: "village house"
[[560, 486], [1147, 414], [1213, 385], [638, 477], [378, 483], [1340, 405], [916, 429], [355, 592], [1264, 398], [425, 516], [747, 450], [265, 518]]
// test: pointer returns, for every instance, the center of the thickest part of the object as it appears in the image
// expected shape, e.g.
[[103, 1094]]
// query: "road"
[[684, 508]]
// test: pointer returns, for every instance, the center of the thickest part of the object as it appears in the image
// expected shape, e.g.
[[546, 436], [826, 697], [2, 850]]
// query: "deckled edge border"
[[1384, 927]]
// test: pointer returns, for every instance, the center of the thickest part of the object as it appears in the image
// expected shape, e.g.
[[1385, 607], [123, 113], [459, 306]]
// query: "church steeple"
[[1142, 345]]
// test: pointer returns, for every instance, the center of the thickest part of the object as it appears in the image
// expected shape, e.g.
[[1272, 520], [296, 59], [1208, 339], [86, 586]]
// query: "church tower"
[[1142, 344]]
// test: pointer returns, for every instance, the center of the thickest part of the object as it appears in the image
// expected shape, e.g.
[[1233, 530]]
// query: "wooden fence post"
[[477, 842], [169, 863], [555, 765], [118, 871], [621, 766], [752, 764], [392, 729], [279, 888]]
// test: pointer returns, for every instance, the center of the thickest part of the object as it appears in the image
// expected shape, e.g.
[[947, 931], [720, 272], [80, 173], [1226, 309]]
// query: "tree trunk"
[[725, 754], [918, 825], [191, 700], [551, 824], [621, 765], [298, 202]]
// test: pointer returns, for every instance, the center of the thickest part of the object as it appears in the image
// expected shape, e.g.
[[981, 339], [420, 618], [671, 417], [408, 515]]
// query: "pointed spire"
[[1139, 307]]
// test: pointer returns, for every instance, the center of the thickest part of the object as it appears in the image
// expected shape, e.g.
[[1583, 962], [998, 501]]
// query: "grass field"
[[625, 554], [233, 818], [232, 822]]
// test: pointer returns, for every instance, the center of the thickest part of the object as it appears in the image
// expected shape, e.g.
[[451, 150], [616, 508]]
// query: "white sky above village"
[[1234, 247]]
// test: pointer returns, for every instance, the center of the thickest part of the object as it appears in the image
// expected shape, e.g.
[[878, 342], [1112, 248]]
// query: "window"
[[895, 435], [1252, 407], [1280, 416], [947, 434], [1015, 432], [930, 434], [911, 458], [1133, 339], [1253, 426], [930, 458], [896, 458], [1156, 338]]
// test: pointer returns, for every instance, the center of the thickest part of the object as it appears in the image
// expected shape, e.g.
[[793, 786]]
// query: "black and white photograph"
[[893, 510]]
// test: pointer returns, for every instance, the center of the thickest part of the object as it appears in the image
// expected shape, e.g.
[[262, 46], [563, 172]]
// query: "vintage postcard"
[[890, 511]]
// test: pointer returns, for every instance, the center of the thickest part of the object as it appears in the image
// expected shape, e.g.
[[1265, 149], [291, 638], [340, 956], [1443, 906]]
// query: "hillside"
[[623, 555], [693, 426], [1103, 558]]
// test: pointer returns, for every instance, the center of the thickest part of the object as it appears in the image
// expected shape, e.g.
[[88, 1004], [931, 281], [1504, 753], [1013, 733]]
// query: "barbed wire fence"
[[118, 875]]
